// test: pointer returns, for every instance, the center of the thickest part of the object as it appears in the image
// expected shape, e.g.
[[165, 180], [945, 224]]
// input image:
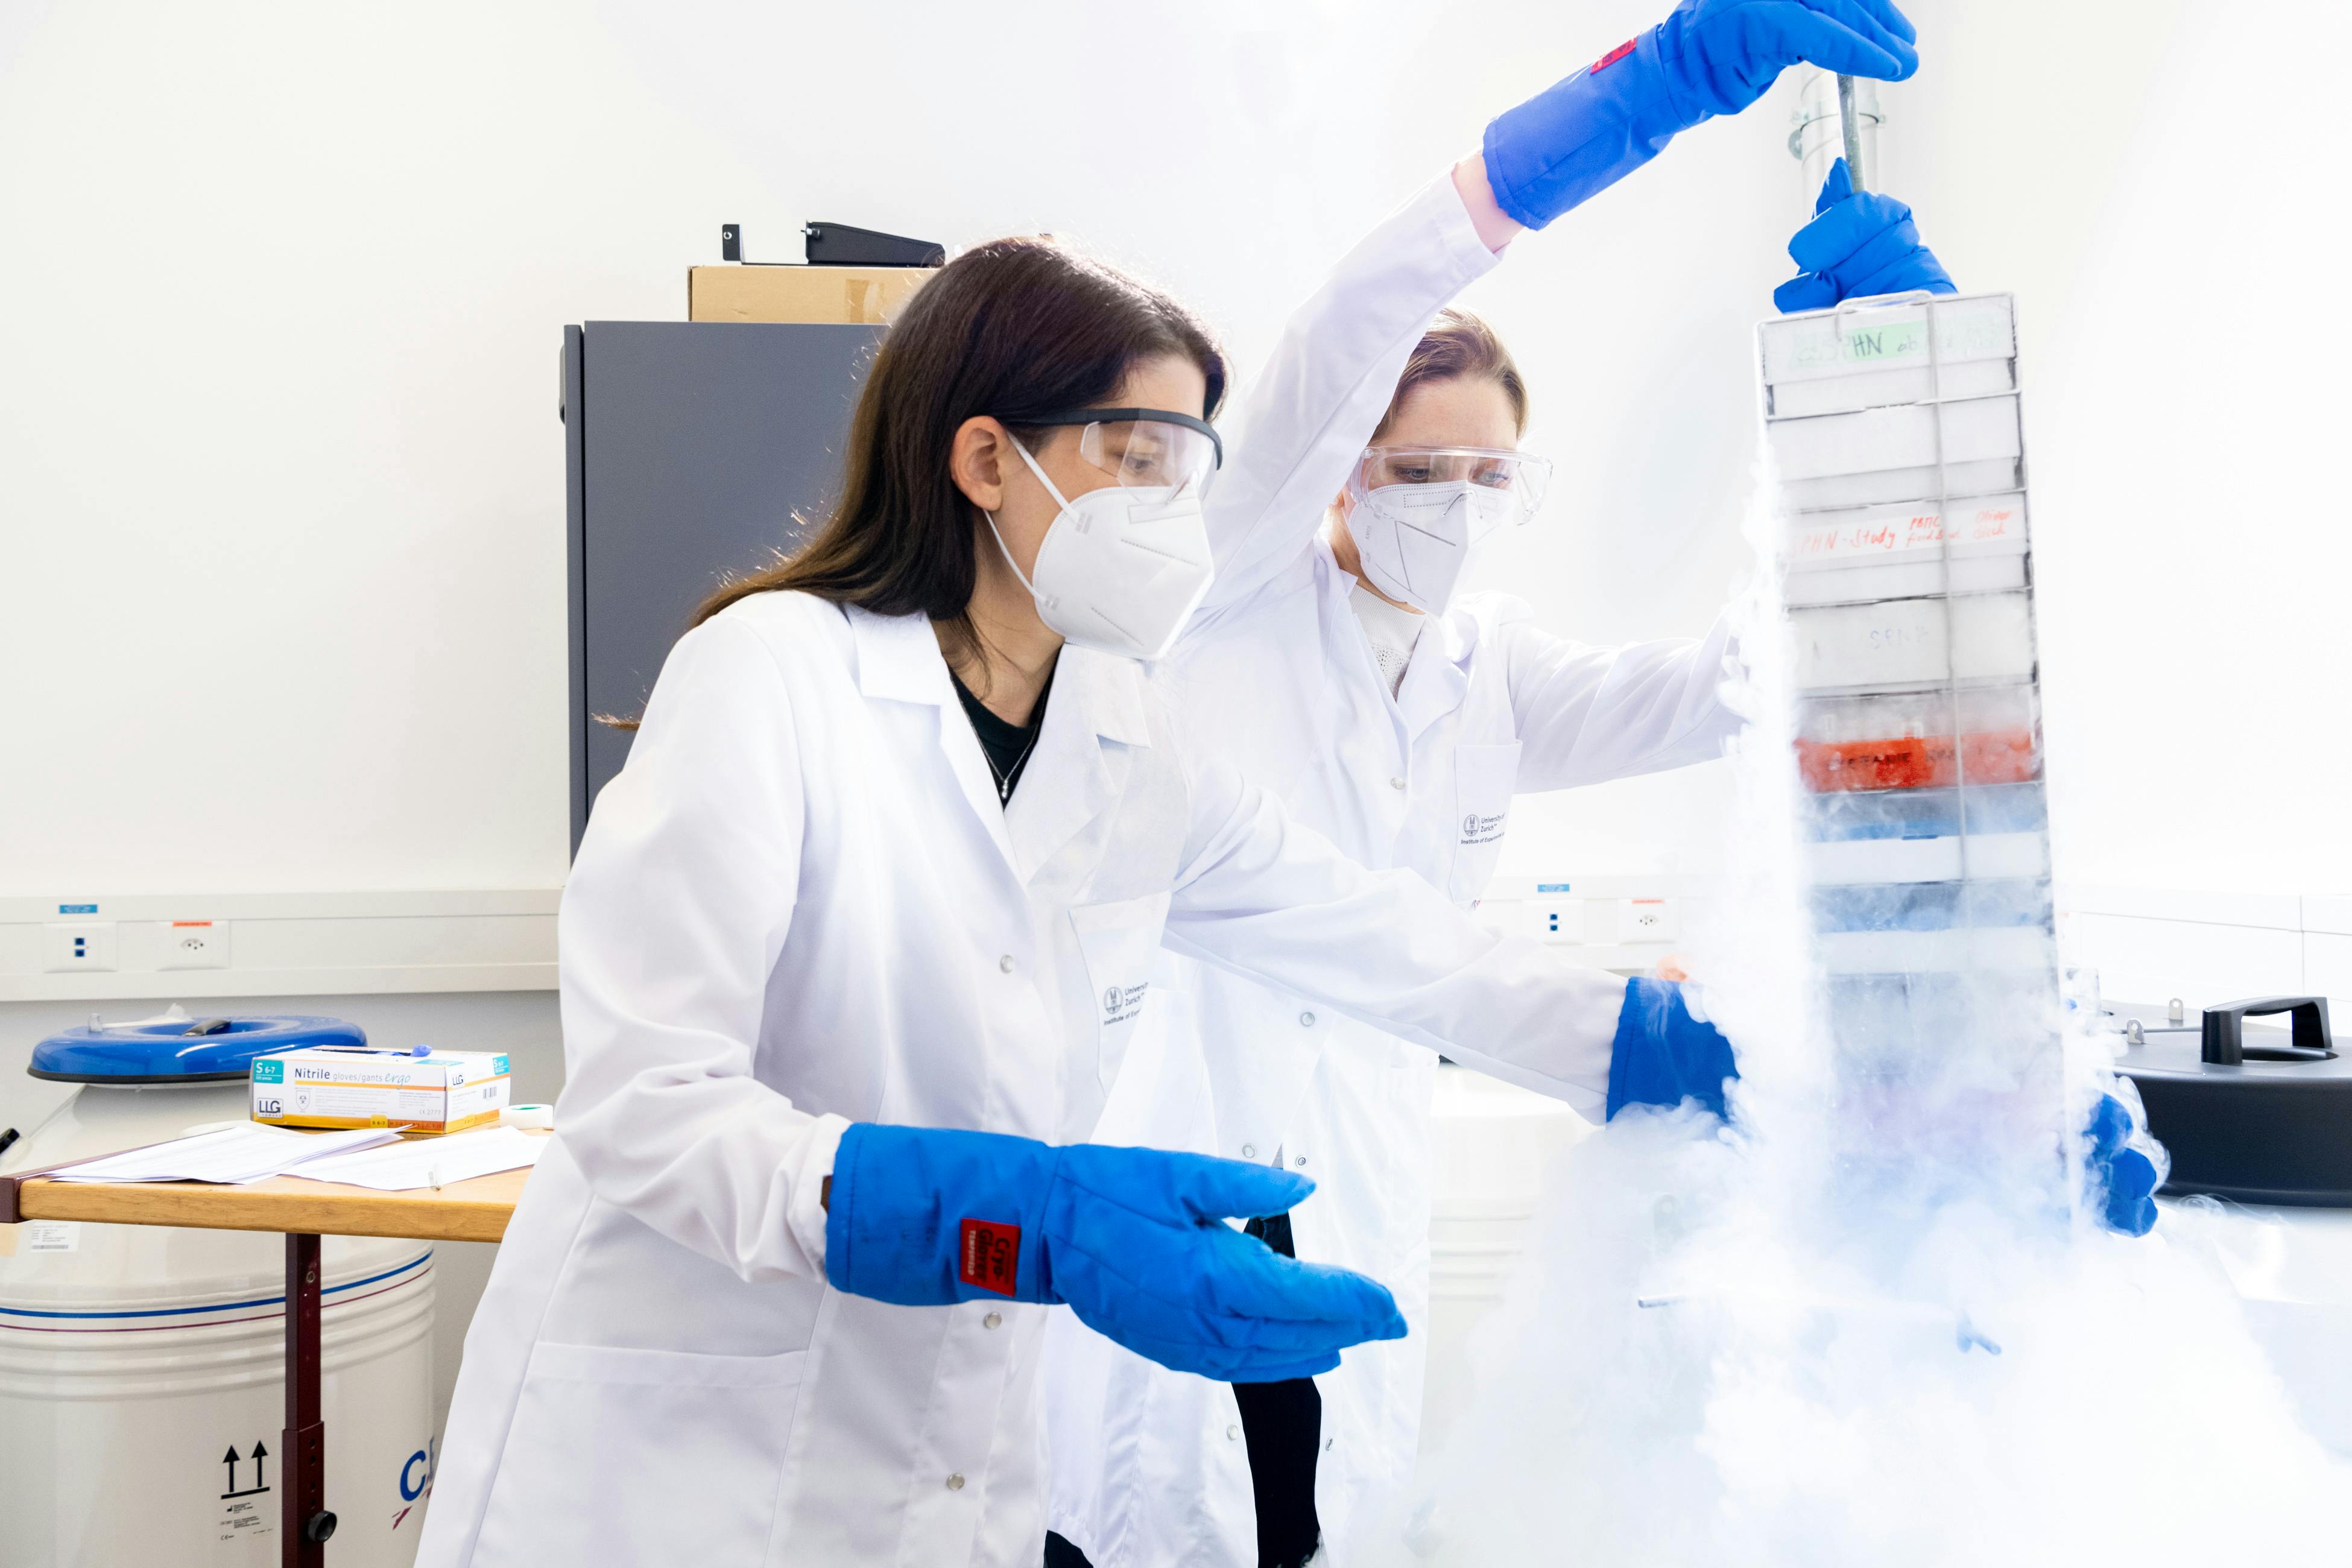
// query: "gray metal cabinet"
[[690, 448]]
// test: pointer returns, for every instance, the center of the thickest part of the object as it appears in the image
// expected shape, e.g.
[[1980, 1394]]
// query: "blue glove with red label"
[[1709, 57], [1857, 245], [1134, 1240]]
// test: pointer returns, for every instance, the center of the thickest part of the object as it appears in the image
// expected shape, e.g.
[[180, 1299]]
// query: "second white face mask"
[[1120, 569], [1414, 539]]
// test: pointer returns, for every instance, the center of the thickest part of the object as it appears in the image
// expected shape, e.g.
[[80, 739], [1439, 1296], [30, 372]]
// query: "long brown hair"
[[1458, 344], [1012, 328]]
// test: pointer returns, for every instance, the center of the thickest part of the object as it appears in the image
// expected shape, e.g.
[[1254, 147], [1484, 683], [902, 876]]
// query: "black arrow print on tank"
[[261, 1479]]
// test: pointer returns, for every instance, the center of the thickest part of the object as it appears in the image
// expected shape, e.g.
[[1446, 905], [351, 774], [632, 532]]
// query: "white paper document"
[[429, 1162], [237, 1155]]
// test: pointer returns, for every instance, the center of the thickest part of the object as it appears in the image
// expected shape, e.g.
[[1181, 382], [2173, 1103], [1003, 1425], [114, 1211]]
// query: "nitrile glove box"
[[355, 1086]]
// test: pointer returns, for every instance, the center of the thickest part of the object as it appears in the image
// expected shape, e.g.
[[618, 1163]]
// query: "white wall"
[[280, 478], [279, 474]]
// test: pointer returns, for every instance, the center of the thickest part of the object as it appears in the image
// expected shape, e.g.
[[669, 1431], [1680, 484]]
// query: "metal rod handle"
[[1851, 124]]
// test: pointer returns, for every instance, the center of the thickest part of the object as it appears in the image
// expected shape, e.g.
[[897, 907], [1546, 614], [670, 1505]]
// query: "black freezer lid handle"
[[2224, 1043]]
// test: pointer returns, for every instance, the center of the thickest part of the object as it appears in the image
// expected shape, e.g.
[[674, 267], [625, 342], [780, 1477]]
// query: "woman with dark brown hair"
[[858, 940]]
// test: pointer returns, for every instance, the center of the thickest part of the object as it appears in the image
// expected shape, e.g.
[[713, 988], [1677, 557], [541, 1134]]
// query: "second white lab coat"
[[1278, 675]]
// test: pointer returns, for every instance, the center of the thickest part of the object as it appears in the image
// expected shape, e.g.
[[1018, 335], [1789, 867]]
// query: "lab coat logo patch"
[[1477, 829], [1121, 1003], [990, 1259]]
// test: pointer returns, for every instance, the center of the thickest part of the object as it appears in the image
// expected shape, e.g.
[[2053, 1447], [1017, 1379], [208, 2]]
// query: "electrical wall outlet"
[[1555, 920], [194, 944], [84, 946], [1647, 920]]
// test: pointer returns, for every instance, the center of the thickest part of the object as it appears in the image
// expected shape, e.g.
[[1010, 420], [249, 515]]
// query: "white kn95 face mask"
[[1418, 513], [1414, 539], [1121, 568]]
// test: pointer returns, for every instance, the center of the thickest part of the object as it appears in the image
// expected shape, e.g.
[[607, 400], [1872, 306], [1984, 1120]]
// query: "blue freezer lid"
[[181, 1050]]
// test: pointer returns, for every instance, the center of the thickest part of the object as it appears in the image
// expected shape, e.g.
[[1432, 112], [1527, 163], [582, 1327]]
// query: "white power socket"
[[85, 946], [194, 944], [1647, 920]]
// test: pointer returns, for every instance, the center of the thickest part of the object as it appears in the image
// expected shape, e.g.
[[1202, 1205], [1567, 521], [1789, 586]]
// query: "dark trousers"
[[1282, 1423]]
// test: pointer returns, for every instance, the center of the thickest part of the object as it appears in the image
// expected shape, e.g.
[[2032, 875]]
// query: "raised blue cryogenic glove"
[[1711, 57], [1857, 245], [2124, 1180], [1662, 1056], [1134, 1240]]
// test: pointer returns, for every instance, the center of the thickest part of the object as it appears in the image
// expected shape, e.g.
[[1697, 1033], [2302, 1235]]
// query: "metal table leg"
[[303, 1520]]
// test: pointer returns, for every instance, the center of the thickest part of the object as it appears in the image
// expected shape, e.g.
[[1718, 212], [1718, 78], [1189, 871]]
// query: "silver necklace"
[[1005, 779]]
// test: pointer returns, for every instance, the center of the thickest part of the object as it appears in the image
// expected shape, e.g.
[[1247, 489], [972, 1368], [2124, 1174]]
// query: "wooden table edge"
[[474, 1210]]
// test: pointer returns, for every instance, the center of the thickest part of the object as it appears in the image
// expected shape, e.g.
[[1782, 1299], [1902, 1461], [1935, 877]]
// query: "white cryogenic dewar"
[[141, 1370]]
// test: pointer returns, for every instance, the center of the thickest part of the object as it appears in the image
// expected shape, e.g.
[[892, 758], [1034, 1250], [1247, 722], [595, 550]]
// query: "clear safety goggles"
[[1143, 448], [1517, 478]]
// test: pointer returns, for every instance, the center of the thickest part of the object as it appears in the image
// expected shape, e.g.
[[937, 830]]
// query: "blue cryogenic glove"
[[1711, 57], [2124, 1180], [1856, 246], [1662, 1056], [1134, 1240]]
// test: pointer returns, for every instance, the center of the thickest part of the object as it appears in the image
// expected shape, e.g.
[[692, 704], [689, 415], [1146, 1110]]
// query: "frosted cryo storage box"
[[1912, 642], [1969, 544], [1875, 355]]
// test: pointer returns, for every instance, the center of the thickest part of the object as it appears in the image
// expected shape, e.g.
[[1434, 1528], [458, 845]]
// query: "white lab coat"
[[1278, 675], [800, 904]]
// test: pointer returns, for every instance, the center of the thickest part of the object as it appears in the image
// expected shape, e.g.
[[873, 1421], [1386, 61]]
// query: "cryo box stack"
[[1907, 578]]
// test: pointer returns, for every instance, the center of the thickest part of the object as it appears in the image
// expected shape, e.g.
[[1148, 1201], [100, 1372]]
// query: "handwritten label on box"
[[1885, 533]]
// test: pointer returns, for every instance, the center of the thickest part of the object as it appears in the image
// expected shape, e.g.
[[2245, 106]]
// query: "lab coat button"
[[1005, 963], [1249, 1150], [1306, 1020], [955, 1483], [994, 1320], [1396, 784], [1232, 1433], [1300, 1160]]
